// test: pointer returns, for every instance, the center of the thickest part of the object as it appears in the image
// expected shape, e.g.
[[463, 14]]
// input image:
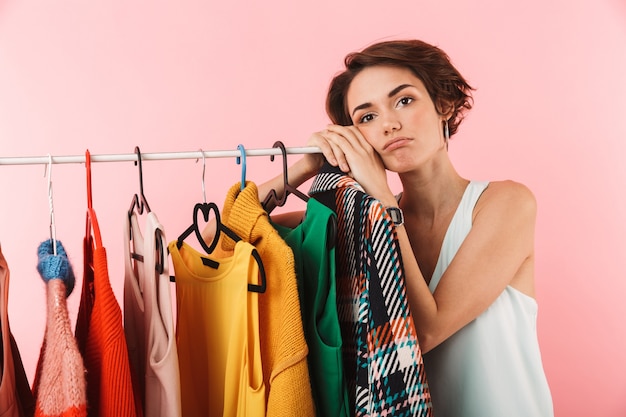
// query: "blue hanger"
[[243, 165]]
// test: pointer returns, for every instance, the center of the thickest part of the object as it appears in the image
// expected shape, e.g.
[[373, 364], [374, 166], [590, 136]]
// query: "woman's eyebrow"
[[398, 89], [391, 94]]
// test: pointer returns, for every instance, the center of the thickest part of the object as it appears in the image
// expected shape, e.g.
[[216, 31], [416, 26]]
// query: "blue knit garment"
[[57, 266]]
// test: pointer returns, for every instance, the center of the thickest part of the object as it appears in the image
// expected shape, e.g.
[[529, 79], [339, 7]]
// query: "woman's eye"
[[366, 118], [404, 101]]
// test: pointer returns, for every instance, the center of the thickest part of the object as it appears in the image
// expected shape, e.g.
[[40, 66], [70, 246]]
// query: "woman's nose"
[[391, 124]]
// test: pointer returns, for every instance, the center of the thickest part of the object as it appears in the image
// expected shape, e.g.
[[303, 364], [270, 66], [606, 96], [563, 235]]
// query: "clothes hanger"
[[139, 203], [139, 200], [53, 229], [242, 160], [273, 199], [203, 171], [206, 208], [92, 221]]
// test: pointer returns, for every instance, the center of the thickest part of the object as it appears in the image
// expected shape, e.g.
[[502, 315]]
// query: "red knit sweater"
[[100, 336]]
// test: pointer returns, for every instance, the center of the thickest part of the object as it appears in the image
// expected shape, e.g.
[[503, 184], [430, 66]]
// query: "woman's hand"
[[346, 147]]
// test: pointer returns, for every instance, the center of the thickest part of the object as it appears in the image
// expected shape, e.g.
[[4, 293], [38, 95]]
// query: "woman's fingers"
[[342, 145], [357, 151], [365, 165], [351, 136], [331, 149]]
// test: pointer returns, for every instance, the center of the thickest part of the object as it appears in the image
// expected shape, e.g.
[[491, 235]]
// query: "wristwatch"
[[396, 215]]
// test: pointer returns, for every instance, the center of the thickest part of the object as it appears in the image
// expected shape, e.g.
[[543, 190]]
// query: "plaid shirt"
[[382, 356]]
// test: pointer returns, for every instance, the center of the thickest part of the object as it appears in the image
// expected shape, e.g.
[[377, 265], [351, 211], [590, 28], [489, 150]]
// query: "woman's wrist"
[[305, 169]]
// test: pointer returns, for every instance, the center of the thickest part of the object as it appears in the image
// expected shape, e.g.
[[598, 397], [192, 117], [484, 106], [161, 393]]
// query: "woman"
[[467, 247]]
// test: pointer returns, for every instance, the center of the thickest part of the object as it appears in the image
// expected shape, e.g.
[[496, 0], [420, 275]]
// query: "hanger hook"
[[142, 199], [242, 160], [53, 230], [88, 169], [279, 144], [203, 170]]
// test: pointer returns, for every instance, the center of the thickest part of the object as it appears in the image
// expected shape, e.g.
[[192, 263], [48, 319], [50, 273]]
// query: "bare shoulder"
[[507, 197]]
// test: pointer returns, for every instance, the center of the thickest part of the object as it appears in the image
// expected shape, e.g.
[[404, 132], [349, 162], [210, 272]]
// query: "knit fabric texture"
[[51, 265], [59, 386], [283, 347], [101, 339]]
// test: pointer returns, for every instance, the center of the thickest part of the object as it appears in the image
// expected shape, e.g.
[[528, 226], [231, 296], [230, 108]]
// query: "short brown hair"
[[446, 86]]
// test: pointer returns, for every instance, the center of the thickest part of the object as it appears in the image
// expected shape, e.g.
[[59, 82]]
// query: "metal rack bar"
[[154, 156]]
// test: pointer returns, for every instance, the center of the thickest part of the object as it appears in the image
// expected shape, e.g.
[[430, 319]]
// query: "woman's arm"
[[498, 251]]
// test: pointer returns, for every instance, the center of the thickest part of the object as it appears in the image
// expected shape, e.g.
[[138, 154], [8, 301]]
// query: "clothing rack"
[[154, 156]]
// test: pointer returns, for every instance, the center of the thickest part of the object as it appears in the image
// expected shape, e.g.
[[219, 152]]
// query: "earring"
[[446, 132]]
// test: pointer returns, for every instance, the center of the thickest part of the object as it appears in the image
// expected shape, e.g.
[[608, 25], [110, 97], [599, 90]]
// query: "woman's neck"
[[429, 195]]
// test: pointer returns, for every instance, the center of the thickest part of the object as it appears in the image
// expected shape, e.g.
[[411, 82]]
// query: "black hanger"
[[273, 197], [139, 200], [205, 209], [139, 204]]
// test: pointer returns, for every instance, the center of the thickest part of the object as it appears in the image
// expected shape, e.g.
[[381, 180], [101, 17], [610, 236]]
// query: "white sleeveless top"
[[491, 367]]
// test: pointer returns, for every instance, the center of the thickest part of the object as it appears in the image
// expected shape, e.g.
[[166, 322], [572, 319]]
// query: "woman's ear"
[[444, 108]]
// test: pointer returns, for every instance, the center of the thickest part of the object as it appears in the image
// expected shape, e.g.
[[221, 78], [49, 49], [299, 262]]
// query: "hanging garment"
[[217, 327], [149, 319], [100, 335], [59, 386], [313, 246], [16, 398], [492, 366], [382, 356], [283, 347]]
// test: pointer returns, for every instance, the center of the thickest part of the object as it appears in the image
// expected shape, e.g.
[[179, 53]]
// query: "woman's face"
[[393, 110]]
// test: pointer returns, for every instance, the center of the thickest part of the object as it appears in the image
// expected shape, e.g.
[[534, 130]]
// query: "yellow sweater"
[[283, 347]]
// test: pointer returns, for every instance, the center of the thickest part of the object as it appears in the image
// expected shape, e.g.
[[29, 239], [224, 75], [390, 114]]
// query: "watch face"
[[396, 215]]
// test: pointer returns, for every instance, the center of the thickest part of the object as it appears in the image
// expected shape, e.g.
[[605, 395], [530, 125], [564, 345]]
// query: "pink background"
[[178, 76]]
